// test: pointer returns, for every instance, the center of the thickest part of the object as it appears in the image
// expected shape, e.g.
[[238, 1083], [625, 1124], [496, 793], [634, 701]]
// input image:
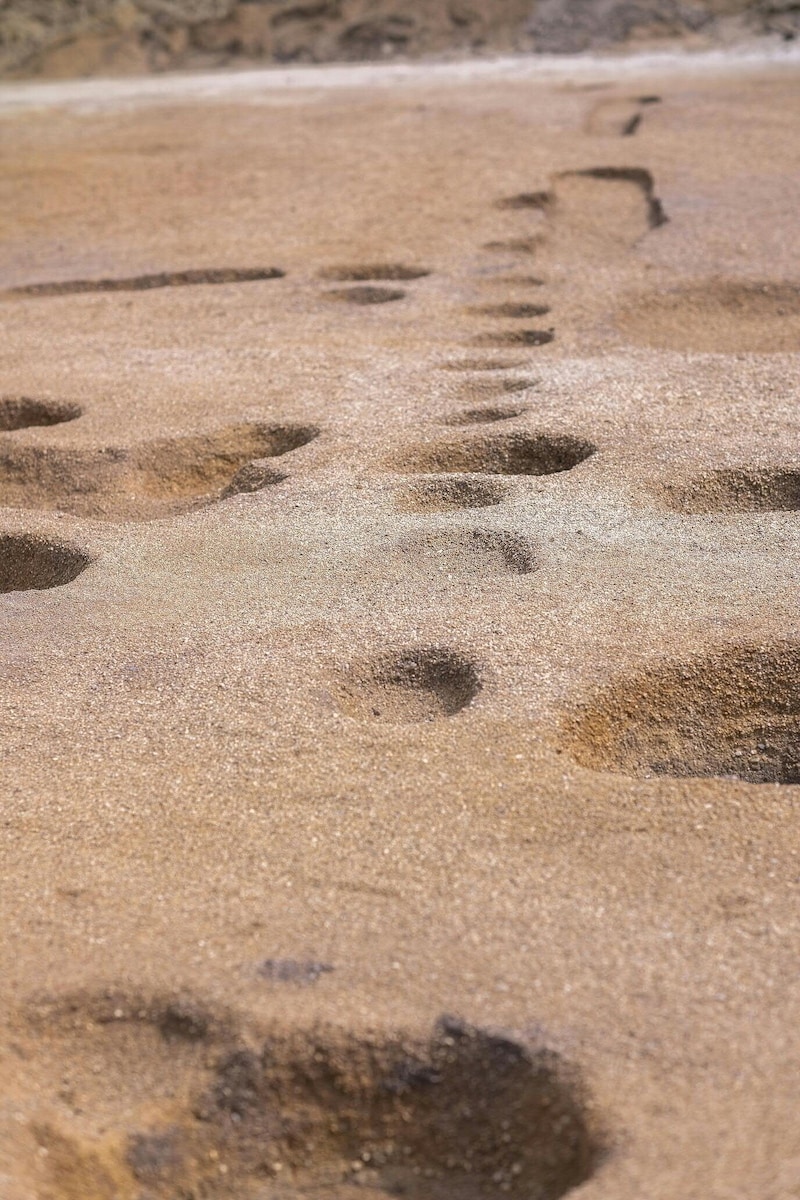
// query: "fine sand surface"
[[400, 710]]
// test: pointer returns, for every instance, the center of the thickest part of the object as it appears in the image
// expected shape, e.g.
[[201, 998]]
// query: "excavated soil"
[[399, 563]]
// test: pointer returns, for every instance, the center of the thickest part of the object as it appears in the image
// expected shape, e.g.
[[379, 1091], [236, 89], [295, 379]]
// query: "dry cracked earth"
[[400, 711]]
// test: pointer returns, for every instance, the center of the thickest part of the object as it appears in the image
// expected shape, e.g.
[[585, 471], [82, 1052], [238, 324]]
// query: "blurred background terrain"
[[65, 38]]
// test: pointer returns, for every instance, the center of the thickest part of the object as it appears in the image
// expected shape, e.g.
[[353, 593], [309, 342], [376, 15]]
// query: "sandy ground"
[[409, 630]]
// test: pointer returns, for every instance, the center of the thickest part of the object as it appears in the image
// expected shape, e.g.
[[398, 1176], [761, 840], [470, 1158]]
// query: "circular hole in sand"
[[22, 412], [408, 686], [519, 453], [366, 294], [29, 563], [450, 495], [718, 316], [736, 490], [358, 272], [470, 552], [735, 714]]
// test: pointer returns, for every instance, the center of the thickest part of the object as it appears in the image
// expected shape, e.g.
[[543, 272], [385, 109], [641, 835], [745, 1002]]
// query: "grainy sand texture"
[[400, 715]]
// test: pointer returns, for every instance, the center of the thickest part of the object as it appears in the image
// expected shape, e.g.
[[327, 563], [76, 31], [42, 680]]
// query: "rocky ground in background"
[[63, 38]]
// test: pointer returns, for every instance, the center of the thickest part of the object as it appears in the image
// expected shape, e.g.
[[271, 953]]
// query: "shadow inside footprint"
[[365, 294], [518, 453], [146, 283], [515, 337], [29, 562], [360, 272], [407, 686], [510, 308], [483, 364], [539, 201], [23, 412]]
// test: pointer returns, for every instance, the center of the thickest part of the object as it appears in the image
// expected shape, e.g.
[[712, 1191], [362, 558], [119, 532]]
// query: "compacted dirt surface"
[[400, 713]]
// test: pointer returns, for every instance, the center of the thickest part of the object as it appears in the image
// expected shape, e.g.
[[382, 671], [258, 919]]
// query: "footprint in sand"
[[745, 718], [722, 316], [449, 495], [407, 686], [483, 364], [522, 452], [161, 477], [595, 212], [153, 1096], [364, 294], [145, 283], [735, 490], [366, 272], [470, 554]]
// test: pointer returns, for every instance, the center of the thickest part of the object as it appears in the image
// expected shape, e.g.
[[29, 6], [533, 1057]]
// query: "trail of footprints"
[[469, 1111], [460, 472]]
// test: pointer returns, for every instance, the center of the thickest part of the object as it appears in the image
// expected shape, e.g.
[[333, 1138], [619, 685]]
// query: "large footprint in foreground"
[[164, 1098], [158, 478]]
